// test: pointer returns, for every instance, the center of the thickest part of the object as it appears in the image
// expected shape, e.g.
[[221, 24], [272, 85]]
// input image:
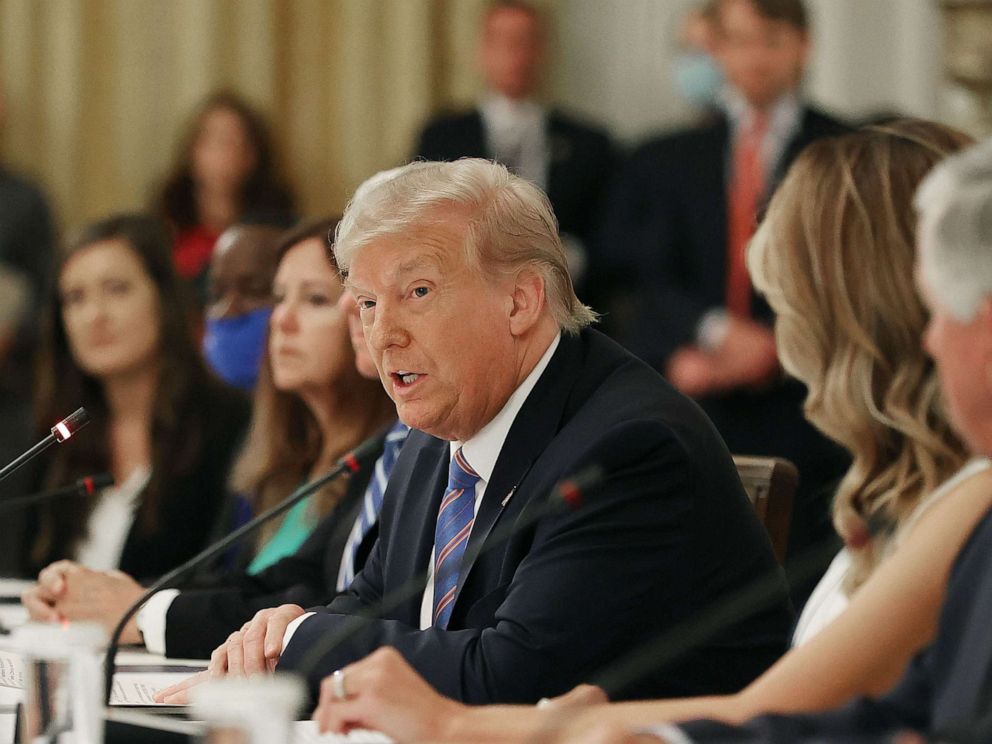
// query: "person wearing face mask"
[[240, 301], [679, 221], [318, 396], [695, 73]]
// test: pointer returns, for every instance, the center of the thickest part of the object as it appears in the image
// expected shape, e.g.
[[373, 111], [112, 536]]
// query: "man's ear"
[[528, 300]]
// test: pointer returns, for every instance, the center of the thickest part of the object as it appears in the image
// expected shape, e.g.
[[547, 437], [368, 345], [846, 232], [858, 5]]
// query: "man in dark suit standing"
[[679, 223], [470, 317], [570, 160]]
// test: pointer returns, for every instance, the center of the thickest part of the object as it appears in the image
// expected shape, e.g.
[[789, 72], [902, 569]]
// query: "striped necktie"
[[372, 503], [454, 523]]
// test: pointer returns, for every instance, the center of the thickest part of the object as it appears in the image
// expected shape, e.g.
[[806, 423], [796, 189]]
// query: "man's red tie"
[[747, 187]]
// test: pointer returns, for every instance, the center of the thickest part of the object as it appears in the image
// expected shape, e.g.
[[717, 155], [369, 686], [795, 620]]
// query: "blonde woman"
[[835, 258]]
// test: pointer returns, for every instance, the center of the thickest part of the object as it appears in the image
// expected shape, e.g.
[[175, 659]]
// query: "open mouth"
[[405, 379]]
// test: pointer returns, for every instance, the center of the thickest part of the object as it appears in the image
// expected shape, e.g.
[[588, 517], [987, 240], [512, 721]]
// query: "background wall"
[[98, 91]]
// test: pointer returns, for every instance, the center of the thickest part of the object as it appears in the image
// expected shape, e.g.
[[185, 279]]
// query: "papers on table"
[[134, 685]]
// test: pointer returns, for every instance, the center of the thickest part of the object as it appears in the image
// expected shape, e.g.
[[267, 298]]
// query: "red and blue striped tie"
[[454, 524]]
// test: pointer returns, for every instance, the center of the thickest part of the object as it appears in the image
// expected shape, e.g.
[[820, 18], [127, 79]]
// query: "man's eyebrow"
[[420, 262], [407, 267]]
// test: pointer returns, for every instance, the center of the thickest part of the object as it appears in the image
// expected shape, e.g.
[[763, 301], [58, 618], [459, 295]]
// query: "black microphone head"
[[90, 484], [572, 491], [363, 455], [70, 424]]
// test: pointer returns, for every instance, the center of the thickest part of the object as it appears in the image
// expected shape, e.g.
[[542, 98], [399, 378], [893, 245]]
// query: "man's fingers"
[[37, 606], [218, 661], [275, 631], [178, 694], [253, 646], [235, 653]]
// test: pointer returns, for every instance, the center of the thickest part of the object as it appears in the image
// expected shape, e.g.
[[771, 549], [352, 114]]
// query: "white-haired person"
[[470, 316], [849, 324]]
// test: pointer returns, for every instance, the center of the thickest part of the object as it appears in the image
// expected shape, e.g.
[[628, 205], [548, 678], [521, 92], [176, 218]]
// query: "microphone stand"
[[60, 432], [83, 487], [351, 463]]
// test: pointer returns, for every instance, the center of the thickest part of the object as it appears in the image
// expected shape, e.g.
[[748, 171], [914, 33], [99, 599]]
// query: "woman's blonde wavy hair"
[[834, 256]]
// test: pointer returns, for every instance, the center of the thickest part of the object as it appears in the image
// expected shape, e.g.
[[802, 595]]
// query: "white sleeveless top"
[[828, 600]]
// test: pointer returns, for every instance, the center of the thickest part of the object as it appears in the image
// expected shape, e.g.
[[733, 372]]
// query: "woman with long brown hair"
[[116, 340], [225, 170]]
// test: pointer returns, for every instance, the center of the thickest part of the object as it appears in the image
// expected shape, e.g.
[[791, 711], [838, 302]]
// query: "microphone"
[[83, 487], [349, 463], [62, 431], [568, 493]]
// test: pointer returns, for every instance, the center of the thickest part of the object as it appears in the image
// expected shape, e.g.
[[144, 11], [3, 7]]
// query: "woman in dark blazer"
[[117, 340]]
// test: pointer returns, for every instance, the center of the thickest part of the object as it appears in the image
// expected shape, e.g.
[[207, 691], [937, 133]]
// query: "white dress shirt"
[[516, 136], [481, 452]]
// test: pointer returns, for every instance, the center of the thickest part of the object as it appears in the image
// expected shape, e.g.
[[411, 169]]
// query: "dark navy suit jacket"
[[667, 233], [668, 533], [945, 694]]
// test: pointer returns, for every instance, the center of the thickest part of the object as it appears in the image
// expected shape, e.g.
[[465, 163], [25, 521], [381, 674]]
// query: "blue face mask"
[[698, 78], [233, 346]]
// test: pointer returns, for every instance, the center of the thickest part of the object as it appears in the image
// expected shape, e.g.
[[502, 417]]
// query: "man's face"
[[511, 52], [963, 354], [438, 333], [762, 58], [242, 268]]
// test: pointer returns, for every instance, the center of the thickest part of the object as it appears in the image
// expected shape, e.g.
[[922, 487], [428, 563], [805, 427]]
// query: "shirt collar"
[[783, 114], [501, 112], [482, 450]]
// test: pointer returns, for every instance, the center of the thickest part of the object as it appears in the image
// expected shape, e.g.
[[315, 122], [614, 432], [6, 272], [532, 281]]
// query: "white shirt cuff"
[[291, 629], [712, 329], [151, 620], [667, 732]]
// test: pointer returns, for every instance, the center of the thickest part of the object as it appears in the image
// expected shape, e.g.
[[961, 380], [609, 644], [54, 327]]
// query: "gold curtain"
[[98, 92]]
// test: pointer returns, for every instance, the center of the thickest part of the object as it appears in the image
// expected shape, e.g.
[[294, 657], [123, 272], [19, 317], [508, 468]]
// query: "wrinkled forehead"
[[432, 245]]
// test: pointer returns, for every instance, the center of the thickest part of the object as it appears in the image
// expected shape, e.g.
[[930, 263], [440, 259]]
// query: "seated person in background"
[[311, 406], [224, 168], [468, 309], [116, 340], [848, 324], [679, 220], [570, 160], [239, 301]]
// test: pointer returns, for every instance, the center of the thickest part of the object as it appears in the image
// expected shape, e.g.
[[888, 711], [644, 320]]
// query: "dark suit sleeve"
[[641, 512], [199, 620]]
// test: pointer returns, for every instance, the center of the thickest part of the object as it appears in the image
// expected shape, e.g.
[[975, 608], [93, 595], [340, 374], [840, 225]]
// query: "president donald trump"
[[470, 316]]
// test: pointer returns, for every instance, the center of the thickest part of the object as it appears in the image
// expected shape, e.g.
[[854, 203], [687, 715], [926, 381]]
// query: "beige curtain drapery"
[[97, 92]]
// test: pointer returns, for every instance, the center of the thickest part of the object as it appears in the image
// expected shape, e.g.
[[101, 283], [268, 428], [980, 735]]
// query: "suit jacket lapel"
[[534, 427], [423, 495]]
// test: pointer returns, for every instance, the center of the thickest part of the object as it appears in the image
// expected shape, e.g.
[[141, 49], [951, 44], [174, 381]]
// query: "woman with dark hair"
[[311, 406], [225, 170], [116, 340]]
